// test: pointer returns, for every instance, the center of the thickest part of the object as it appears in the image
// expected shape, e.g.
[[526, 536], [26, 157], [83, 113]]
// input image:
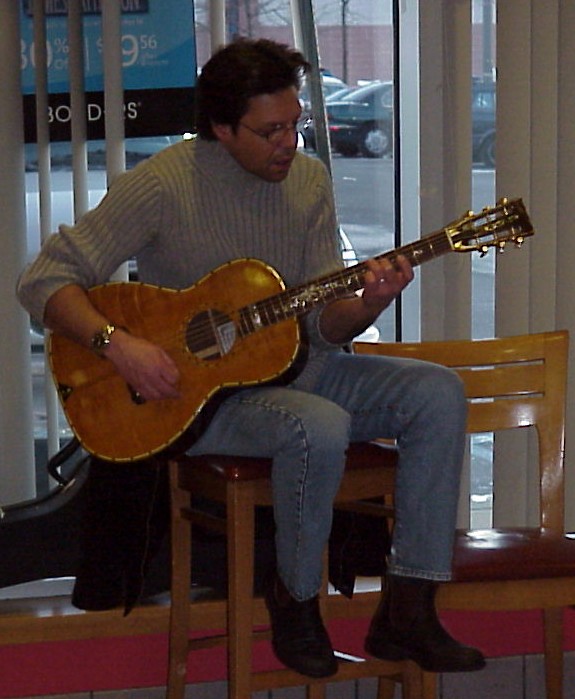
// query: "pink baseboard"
[[123, 663]]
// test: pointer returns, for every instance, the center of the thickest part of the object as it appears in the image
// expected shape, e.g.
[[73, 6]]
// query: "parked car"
[[330, 85], [483, 115], [359, 122], [137, 149]]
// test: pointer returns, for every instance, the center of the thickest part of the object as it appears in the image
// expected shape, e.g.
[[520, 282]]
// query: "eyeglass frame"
[[279, 129]]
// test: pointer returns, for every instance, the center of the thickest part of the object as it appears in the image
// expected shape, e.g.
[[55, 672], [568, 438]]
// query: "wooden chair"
[[511, 383], [241, 484]]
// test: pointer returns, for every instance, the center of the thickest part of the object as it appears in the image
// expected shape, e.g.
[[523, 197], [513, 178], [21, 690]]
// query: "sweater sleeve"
[[89, 252], [323, 251]]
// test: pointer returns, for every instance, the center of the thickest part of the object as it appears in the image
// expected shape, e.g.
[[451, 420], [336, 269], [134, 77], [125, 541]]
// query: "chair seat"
[[369, 455], [512, 554]]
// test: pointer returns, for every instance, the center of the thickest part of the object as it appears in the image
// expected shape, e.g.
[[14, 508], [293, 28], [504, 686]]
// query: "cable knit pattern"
[[184, 212]]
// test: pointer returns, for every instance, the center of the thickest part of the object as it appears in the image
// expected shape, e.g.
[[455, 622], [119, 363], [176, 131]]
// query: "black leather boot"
[[405, 626], [299, 638]]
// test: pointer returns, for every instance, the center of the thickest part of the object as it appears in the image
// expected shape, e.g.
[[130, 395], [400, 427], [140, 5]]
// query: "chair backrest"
[[511, 382]]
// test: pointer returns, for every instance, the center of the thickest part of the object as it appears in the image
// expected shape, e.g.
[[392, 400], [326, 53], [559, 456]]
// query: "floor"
[[504, 678]]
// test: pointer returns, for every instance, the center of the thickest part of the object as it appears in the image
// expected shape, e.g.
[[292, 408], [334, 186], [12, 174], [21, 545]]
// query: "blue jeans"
[[356, 398]]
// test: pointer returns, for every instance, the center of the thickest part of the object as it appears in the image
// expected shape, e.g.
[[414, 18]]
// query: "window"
[[359, 74]]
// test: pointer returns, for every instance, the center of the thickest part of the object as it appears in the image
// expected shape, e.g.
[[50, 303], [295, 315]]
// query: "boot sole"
[[316, 673], [394, 652]]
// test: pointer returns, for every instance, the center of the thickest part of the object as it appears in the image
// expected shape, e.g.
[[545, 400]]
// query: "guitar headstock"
[[494, 227]]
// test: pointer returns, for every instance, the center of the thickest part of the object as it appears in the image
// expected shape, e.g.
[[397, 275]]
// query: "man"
[[240, 189]]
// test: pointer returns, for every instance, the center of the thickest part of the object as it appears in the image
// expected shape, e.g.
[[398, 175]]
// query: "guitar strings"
[[205, 332]]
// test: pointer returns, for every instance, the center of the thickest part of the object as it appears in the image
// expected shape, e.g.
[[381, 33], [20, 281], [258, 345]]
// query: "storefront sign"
[[159, 67]]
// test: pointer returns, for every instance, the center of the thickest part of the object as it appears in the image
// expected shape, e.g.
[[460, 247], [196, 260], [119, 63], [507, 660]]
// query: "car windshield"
[[367, 93], [340, 94]]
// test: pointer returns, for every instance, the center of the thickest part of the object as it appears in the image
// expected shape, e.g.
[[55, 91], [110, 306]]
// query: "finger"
[[377, 271], [404, 266]]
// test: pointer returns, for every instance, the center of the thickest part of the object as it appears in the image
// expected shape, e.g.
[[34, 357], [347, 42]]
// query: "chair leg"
[[180, 590], [240, 537], [553, 629]]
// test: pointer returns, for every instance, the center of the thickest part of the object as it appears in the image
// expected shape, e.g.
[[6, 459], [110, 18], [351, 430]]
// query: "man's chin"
[[278, 173]]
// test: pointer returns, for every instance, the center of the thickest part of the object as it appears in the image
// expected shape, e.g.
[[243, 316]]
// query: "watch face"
[[102, 338]]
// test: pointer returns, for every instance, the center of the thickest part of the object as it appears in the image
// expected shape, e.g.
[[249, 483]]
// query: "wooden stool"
[[242, 484]]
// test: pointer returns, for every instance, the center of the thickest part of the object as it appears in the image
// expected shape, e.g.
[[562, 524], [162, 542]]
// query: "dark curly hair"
[[241, 70]]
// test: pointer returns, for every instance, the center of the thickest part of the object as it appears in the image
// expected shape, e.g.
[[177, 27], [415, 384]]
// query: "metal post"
[[305, 32]]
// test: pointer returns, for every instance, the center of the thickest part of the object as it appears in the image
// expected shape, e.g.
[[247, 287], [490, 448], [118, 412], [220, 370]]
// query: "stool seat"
[[364, 455]]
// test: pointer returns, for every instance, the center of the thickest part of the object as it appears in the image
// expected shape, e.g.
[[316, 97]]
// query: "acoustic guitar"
[[236, 327]]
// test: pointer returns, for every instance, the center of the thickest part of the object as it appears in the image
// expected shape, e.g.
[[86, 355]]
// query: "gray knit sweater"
[[184, 212]]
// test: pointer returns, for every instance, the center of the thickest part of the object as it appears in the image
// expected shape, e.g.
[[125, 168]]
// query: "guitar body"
[[203, 336]]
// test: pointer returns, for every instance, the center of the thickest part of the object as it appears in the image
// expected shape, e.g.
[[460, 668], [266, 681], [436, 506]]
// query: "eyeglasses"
[[275, 135]]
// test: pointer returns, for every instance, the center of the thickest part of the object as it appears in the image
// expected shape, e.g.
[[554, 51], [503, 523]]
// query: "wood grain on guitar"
[[236, 327]]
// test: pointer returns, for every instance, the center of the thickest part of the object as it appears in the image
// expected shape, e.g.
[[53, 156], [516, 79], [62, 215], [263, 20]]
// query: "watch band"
[[101, 339]]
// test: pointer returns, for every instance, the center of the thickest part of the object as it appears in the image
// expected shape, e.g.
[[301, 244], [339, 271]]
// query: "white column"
[[17, 472]]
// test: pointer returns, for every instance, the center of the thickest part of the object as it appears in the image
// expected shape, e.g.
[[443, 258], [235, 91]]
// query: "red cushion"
[[512, 553]]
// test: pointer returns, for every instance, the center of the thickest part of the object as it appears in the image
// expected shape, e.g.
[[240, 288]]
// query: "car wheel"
[[488, 151], [375, 141]]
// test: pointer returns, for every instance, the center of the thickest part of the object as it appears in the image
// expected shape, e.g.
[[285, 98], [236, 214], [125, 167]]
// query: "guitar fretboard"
[[301, 299]]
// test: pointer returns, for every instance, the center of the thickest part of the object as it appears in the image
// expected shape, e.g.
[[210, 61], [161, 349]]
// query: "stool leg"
[[240, 536], [316, 691], [418, 684], [385, 688], [180, 589]]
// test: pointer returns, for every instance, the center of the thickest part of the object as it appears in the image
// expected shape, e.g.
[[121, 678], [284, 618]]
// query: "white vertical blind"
[[445, 47], [113, 89], [17, 476], [217, 15], [44, 191], [563, 290], [78, 124], [536, 118], [408, 112], [445, 153]]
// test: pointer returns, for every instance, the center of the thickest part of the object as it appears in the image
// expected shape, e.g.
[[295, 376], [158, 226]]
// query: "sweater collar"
[[224, 166]]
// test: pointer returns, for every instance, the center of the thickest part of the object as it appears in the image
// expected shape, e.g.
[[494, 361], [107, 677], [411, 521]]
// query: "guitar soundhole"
[[210, 334]]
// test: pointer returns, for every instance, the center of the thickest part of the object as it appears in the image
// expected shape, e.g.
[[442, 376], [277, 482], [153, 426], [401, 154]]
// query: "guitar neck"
[[299, 300]]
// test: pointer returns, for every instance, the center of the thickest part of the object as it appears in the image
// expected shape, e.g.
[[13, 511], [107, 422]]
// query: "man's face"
[[265, 140]]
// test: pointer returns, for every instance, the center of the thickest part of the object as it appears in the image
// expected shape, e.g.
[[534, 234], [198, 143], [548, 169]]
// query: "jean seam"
[[301, 485]]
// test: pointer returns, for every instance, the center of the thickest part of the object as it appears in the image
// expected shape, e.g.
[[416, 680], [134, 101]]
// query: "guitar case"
[[107, 526], [46, 537], [39, 537]]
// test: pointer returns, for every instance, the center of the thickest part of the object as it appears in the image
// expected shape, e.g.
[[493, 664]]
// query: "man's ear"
[[222, 132]]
